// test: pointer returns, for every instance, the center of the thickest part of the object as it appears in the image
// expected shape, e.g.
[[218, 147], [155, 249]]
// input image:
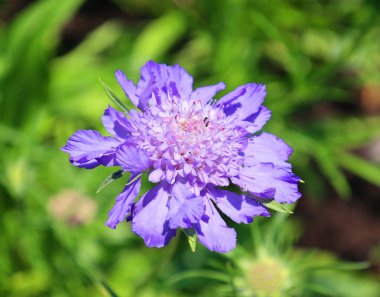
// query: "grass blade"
[[113, 97]]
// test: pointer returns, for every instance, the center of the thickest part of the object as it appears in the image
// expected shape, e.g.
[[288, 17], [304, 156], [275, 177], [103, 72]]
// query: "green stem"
[[155, 271]]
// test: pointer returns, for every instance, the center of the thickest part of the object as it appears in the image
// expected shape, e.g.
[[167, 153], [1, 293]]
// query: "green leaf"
[[114, 176], [191, 238], [342, 266], [158, 37], [274, 205], [329, 166], [113, 97], [108, 289], [28, 44], [360, 167], [200, 273], [134, 179]]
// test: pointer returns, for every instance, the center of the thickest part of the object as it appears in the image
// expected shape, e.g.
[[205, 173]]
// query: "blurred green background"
[[320, 61]]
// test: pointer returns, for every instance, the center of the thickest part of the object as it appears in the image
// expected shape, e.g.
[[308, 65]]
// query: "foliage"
[[311, 55], [270, 265]]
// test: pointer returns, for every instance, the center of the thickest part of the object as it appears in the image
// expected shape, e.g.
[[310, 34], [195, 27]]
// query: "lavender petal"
[[238, 207], [214, 233], [124, 200], [132, 159], [149, 220], [88, 149]]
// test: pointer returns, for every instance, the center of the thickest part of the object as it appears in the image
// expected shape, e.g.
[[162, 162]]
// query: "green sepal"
[[274, 205], [134, 179], [114, 176], [191, 238], [113, 97]]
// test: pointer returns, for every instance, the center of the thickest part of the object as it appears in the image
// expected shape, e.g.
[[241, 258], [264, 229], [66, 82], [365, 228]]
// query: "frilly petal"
[[213, 231], [255, 122], [160, 84], [149, 218], [132, 159], [267, 148], [264, 178], [124, 200], [238, 207], [128, 87], [88, 149], [185, 208], [116, 123], [205, 94], [244, 101]]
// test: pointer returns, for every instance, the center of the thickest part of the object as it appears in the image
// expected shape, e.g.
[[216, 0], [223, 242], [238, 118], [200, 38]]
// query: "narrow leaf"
[[328, 163], [191, 238], [360, 167], [273, 204], [108, 289], [134, 179], [114, 176], [338, 266], [113, 97], [210, 274], [158, 37]]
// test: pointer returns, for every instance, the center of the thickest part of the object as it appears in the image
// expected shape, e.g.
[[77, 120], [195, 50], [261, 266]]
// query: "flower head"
[[191, 146], [268, 277]]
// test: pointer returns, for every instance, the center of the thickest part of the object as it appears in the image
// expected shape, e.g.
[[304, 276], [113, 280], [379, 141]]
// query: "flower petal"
[[124, 200], [267, 148], [243, 101], [116, 123], [238, 207], [156, 175], [160, 83], [185, 209], [149, 220], [214, 233], [128, 87], [264, 177], [255, 122], [132, 159], [205, 94], [88, 149]]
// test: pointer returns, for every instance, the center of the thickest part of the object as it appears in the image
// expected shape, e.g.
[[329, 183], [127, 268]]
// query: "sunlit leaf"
[[274, 205], [28, 44], [108, 289], [330, 169], [113, 97], [110, 179], [360, 166], [158, 37], [210, 274], [191, 238]]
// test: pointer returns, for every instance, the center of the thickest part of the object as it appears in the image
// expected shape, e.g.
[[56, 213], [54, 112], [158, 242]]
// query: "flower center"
[[193, 140], [268, 277]]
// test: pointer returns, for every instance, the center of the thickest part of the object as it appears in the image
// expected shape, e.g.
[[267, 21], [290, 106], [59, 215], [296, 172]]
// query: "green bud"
[[268, 277]]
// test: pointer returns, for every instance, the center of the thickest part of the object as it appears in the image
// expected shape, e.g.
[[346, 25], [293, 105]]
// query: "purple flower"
[[191, 146]]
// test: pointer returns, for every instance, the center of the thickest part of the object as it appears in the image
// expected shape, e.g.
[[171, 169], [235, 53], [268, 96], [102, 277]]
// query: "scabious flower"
[[192, 147]]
